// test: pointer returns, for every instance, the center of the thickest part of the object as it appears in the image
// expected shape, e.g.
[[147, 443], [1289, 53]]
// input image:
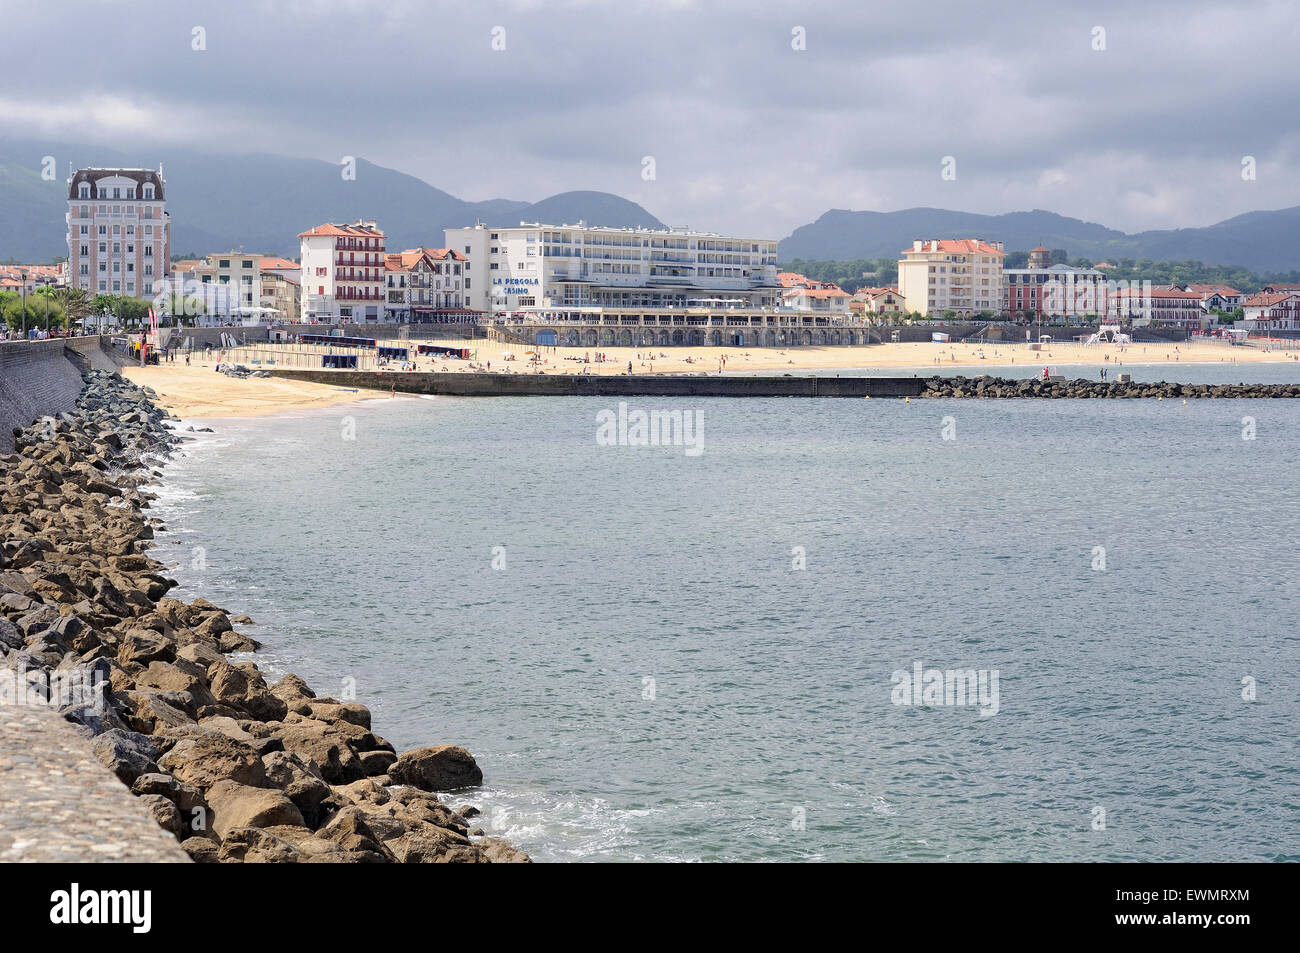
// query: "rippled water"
[[1119, 689]]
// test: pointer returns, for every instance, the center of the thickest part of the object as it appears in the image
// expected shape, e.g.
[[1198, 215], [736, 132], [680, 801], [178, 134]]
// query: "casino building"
[[537, 266]]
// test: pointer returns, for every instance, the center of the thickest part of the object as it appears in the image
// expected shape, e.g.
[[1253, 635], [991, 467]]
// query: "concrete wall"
[[542, 385], [39, 378], [36, 378]]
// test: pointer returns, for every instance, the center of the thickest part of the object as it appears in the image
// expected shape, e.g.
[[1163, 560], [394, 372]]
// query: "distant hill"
[[260, 202], [1260, 241]]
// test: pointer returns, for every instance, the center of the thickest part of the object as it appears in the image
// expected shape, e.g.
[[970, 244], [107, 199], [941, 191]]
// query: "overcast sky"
[[748, 134]]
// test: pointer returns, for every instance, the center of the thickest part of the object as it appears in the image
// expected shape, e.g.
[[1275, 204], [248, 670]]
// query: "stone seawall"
[[37, 378], [543, 385], [43, 378]]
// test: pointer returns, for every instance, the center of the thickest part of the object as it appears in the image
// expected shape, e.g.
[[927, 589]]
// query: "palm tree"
[[76, 304]]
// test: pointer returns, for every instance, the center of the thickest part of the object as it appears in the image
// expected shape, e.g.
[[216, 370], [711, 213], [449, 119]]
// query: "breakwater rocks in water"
[[987, 386], [238, 770]]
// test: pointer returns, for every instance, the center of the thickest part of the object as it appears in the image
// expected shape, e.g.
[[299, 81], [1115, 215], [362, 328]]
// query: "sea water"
[[662, 656]]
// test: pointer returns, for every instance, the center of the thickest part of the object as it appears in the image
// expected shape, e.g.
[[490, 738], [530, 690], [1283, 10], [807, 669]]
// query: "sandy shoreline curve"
[[198, 391]]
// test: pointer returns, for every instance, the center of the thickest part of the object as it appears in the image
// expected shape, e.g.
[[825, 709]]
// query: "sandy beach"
[[690, 360], [198, 391]]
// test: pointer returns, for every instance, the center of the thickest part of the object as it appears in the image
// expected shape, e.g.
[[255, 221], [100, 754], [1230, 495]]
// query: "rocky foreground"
[[986, 386], [238, 770]]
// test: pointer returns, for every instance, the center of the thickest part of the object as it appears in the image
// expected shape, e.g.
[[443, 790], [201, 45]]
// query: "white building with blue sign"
[[582, 266]]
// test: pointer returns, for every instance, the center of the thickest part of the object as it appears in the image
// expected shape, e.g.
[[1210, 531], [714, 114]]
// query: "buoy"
[[907, 400], [1159, 398], [867, 397], [1184, 401]]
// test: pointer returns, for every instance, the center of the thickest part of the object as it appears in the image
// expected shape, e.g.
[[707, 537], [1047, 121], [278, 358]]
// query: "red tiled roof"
[[1209, 289], [438, 254], [358, 231], [960, 246], [278, 264], [406, 260], [1262, 299], [817, 292]]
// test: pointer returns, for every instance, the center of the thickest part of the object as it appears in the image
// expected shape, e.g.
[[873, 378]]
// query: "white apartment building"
[[558, 266], [959, 275], [343, 273], [119, 232]]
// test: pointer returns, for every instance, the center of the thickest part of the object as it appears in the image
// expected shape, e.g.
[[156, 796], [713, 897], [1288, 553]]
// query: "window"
[[85, 230], [492, 267], [148, 251], [223, 263], [117, 194], [148, 191], [85, 269], [103, 229], [117, 248], [83, 192], [467, 249], [248, 263], [103, 285], [467, 284]]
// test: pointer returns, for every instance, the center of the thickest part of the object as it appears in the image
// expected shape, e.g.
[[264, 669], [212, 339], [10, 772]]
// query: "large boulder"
[[142, 646], [251, 845], [239, 805], [164, 812], [127, 754], [351, 831], [212, 758], [187, 797], [291, 689], [327, 747], [243, 687], [181, 675], [300, 781], [436, 768]]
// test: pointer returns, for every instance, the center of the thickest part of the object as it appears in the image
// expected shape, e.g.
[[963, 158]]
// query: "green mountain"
[[1259, 241], [261, 202]]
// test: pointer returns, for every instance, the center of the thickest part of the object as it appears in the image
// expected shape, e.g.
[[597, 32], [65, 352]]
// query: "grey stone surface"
[[59, 804]]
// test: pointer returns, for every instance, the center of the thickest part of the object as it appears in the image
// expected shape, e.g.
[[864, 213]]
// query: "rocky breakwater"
[[986, 386], [238, 770]]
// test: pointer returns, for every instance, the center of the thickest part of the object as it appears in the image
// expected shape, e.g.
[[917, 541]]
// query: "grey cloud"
[[749, 135]]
